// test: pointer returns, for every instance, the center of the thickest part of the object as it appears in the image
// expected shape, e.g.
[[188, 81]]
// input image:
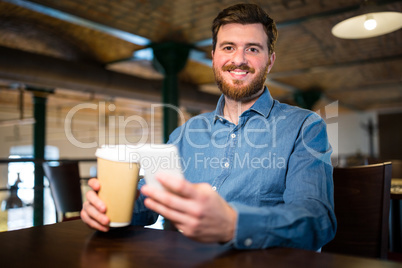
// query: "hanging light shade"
[[369, 24]]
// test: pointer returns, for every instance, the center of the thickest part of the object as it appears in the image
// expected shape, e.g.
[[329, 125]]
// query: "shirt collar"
[[219, 108], [263, 105]]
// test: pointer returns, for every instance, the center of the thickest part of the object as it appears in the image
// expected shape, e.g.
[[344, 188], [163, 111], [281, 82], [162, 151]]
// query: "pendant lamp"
[[370, 23]]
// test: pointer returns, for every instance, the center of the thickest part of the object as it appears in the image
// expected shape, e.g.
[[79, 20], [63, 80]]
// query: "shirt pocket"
[[272, 188]]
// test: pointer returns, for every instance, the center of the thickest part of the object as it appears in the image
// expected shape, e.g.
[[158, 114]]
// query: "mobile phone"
[[159, 159]]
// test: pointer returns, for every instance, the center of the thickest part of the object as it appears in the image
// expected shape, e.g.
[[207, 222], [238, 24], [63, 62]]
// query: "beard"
[[240, 91]]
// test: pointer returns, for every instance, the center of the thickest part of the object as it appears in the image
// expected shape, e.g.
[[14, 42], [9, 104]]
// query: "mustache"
[[243, 67]]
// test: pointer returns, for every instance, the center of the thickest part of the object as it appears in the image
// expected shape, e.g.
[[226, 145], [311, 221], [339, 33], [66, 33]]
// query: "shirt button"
[[233, 136], [248, 242], [226, 165], [214, 188]]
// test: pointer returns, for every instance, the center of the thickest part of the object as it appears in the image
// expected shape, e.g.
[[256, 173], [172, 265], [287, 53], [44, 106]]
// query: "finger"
[[92, 223], [165, 203], [93, 198], [94, 184], [177, 185], [168, 199], [95, 214], [171, 214], [94, 218], [159, 195]]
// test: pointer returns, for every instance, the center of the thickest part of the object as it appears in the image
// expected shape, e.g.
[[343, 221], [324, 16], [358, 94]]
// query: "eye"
[[228, 48], [253, 50]]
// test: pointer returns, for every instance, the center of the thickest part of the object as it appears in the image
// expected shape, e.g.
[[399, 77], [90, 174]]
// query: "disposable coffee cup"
[[118, 171]]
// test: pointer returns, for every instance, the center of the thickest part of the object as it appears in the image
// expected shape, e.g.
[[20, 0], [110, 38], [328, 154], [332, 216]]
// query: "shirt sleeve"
[[306, 218], [142, 216]]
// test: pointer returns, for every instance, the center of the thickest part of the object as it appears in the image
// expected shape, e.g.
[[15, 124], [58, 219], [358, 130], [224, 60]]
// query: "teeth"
[[238, 73]]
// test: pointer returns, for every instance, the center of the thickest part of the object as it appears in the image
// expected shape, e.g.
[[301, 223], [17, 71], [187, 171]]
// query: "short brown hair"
[[246, 14]]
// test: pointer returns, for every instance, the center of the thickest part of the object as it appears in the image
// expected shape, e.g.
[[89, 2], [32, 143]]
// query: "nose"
[[239, 57]]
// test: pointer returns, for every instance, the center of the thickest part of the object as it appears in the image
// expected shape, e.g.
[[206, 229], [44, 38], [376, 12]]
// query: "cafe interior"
[[75, 75]]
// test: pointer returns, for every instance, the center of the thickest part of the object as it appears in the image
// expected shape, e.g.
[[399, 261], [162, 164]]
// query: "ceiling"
[[100, 46]]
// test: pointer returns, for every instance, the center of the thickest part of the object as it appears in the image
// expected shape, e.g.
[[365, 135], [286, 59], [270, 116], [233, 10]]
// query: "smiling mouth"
[[238, 72]]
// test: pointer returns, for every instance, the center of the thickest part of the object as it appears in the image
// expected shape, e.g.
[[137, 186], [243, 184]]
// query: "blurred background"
[[78, 74]]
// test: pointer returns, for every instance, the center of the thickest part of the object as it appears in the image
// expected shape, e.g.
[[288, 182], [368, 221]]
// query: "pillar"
[[39, 142], [169, 59]]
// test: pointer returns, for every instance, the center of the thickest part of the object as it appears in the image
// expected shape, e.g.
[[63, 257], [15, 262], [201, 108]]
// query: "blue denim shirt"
[[273, 168]]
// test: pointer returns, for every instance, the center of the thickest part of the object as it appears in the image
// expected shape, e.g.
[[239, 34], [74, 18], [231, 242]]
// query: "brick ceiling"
[[361, 74]]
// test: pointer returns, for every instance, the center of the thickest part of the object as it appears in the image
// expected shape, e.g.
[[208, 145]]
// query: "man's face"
[[241, 60]]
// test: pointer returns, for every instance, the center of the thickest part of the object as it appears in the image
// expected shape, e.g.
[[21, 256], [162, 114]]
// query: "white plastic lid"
[[127, 152], [118, 153]]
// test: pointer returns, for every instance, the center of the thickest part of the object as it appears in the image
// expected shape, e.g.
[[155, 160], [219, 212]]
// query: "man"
[[258, 172]]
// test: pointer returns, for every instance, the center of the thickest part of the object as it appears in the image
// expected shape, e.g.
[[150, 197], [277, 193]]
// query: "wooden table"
[[73, 244]]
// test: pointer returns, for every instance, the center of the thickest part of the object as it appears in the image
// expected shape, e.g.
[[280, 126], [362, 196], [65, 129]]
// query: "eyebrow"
[[224, 43]]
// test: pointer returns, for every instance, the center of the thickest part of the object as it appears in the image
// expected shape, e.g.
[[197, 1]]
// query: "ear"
[[212, 53], [271, 61]]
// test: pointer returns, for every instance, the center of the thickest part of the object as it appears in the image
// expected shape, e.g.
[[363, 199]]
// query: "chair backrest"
[[362, 200], [65, 185]]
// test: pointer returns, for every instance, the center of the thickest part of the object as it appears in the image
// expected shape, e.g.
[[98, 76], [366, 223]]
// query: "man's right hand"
[[93, 210]]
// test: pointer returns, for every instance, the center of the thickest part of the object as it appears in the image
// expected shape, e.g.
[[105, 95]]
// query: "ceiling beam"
[[51, 12], [392, 85], [323, 68], [37, 70]]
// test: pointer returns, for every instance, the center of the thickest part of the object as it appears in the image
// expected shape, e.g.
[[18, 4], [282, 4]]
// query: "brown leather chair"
[[362, 199], [65, 186]]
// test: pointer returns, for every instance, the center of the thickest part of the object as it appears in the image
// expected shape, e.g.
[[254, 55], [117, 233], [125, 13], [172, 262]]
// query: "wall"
[[390, 136], [348, 135]]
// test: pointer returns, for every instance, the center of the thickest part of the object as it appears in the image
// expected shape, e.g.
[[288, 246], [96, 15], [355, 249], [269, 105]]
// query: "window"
[[22, 174]]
